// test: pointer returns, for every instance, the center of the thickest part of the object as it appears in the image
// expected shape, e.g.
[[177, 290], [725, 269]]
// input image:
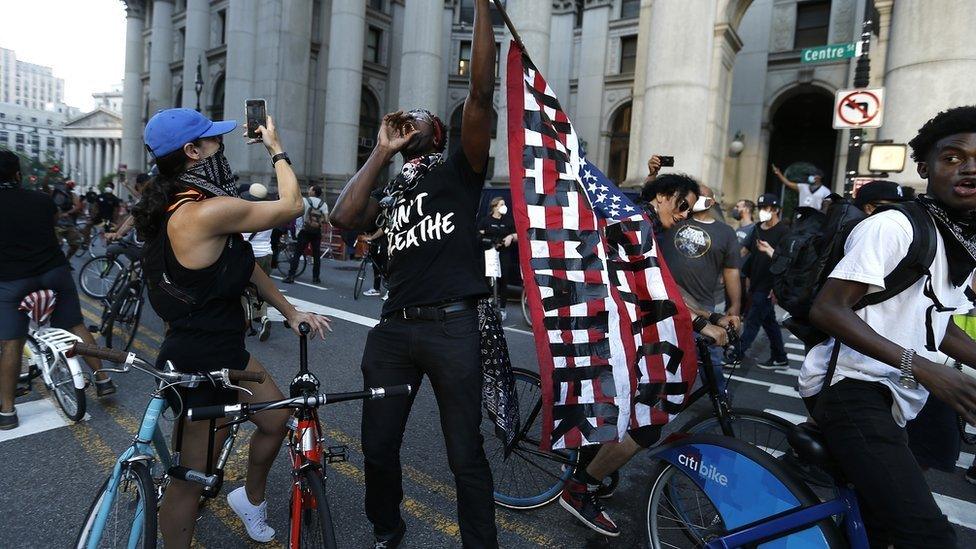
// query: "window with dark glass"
[[466, 13], [464, 58], [369, 126], [629, 8], [373, 38], [812, 24], [619, 144], [628, 54], [376, 4], [217, 100], [222, 30]]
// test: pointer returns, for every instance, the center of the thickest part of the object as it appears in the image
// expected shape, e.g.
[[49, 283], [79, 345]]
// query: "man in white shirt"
[[812, 191], [885, 364], [261, 246]]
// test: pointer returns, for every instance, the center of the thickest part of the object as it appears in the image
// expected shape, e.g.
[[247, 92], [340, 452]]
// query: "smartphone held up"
[[256, 112]]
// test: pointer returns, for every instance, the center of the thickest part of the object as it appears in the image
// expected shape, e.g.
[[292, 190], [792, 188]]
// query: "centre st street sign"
[[832, 52]]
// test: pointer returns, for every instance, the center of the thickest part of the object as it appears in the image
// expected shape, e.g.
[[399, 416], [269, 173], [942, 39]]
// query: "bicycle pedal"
[[336, 454]]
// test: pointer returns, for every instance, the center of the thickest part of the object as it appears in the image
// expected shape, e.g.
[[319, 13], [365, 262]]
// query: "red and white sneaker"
[[584, 505]]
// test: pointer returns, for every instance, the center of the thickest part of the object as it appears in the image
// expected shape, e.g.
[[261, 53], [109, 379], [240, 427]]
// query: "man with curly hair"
[[886, 354]]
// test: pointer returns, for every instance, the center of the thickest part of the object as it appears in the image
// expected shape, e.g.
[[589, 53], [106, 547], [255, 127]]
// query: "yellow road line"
[[96, 308], [148, 352]]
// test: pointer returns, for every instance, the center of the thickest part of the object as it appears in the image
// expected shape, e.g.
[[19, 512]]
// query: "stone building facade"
[[677, 77]]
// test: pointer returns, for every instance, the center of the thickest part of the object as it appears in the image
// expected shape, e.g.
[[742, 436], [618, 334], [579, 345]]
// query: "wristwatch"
[[280, 156], [907, 378]]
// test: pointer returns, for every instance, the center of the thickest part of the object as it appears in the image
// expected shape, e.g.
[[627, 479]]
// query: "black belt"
[[433, 312]]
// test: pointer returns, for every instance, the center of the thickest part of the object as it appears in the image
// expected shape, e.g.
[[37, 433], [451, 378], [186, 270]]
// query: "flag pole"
[[509, 24]]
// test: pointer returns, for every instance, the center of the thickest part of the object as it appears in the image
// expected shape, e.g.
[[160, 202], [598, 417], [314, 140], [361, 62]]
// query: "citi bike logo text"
[[705, 470]]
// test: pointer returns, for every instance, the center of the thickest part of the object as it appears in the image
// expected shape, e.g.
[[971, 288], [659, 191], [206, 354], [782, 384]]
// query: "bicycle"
[[122, 307], [309, 518], [361, 273], [47, 355], [96, 244], [530, 478], [702, 480], [143, 470], [288, 250]]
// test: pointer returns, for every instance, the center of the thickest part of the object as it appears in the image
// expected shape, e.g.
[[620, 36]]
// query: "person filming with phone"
[[197, 266]]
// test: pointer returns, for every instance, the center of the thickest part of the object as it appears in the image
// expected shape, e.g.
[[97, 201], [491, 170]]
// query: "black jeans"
[[448, 352], [304, 237], [873, 453]]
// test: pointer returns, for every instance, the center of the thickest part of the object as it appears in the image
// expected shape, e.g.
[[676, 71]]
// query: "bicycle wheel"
[[98, 274], [529, 477], [123, 320], [70, 398], [760, 429], [680, 513], [310, 521], [132, 513], [357, 289]]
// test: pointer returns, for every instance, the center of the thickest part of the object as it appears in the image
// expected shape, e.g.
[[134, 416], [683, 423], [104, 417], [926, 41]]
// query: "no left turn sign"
[[860, 108]]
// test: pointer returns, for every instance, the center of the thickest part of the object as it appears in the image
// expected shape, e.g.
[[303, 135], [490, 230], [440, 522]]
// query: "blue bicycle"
[[718, 492], [124, 511]]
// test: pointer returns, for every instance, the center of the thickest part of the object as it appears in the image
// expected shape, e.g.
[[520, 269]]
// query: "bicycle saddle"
[[807, 441], [39, 305]]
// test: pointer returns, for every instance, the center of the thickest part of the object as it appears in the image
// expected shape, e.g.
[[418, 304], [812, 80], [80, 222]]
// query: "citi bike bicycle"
[[530, 478], [309, 518]]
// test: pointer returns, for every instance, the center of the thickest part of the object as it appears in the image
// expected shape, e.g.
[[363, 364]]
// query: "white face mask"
[[812, 179], [503, 210], [765, 215]]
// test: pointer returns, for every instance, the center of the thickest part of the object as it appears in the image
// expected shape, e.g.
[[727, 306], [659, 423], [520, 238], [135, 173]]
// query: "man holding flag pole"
[[613, 336]]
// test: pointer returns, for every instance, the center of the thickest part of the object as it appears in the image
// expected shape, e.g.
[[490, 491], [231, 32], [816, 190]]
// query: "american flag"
[[613, 337], [39, 305]]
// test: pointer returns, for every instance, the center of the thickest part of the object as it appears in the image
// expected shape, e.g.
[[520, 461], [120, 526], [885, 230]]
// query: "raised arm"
[[783, 179], [356, 209], [476, 124]]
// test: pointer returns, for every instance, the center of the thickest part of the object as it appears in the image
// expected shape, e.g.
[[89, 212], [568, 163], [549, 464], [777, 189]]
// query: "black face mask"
[[736, 214], [212, 176]]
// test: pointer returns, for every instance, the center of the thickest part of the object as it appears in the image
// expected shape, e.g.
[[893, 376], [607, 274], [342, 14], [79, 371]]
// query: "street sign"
[[863, 108], [831, 52]]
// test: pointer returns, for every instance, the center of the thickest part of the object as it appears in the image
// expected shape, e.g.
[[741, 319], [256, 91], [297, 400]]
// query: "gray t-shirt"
[[697, 253]]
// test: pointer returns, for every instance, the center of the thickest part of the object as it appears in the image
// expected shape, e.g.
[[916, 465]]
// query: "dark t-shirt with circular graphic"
[[696, 253]]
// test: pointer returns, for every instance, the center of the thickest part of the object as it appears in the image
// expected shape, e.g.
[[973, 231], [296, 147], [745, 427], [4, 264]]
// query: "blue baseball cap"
[[168, 130]]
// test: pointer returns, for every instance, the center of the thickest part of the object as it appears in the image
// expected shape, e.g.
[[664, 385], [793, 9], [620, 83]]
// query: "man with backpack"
[[316, 215], [886, 308], [761, 245], [69, 206]]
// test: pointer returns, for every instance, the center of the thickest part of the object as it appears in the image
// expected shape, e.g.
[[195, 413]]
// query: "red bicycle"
[[309, 518]]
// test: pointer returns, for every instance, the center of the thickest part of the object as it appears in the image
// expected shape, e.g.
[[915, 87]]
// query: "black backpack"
[[803, 261]]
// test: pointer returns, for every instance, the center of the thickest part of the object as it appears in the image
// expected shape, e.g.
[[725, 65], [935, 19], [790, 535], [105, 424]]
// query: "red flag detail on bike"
[[39, 305], [613, 337]]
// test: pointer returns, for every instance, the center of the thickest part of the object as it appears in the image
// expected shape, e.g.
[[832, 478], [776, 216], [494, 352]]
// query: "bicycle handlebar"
[[113, 355], [313, 401], [241, 375]]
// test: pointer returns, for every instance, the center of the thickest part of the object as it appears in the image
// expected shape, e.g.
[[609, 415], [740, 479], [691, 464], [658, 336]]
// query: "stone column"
[[66, 161], [117, 156], [342, 96], [727, 44], [942, 67], [132, 107], [194, 51], [422, 55], [592, 69], [76, 159], [291, 107], [99, 160], [677, 96], [239, 73], [636, 164], [90, 162], [160, 56], [560, 49], [531, 18]]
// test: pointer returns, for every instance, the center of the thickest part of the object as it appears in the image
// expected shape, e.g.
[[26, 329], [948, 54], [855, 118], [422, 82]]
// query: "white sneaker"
[[504, 314], [371, 293], [265, 332], [386, 296], [254, 517]]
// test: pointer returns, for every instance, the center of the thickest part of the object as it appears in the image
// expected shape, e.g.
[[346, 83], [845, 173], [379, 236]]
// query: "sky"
[[82, 40]]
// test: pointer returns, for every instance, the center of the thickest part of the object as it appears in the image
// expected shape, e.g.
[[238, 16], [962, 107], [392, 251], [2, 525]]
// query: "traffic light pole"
[[862, 79]]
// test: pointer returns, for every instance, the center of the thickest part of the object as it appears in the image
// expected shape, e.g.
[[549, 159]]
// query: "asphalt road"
[[50, 472]]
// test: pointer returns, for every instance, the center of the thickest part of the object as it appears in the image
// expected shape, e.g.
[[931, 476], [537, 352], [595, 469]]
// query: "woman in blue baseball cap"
[[197, 266]]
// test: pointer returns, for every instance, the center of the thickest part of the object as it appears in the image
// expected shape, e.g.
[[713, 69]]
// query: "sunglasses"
[[683, 205]]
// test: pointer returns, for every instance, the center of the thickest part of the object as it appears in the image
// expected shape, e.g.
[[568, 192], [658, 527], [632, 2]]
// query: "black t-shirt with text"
[[434, 248], [757, 268], [28, 245], [106, 205]]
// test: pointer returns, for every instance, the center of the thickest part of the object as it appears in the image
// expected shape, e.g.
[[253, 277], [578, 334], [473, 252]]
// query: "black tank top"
[[202, 307]]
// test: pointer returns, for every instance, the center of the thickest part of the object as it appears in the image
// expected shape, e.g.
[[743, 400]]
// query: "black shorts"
[[934, 437], [67, 309], [204, 352]]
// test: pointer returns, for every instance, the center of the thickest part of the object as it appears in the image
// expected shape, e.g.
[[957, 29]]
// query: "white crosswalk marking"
[[774, 388], [35, 417], [796, 357], [794, 346], [789, 372], [958, 511]]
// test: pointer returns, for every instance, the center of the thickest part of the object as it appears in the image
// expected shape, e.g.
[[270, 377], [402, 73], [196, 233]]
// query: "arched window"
[[369, 126], [217, 100], [619, 144]]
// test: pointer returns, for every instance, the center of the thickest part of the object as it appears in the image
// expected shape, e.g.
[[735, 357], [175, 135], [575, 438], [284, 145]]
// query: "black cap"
[[874, 191], [768, 199]]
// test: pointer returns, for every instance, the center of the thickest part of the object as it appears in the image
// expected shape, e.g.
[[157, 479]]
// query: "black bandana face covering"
[[959, 233], [212, 176]]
